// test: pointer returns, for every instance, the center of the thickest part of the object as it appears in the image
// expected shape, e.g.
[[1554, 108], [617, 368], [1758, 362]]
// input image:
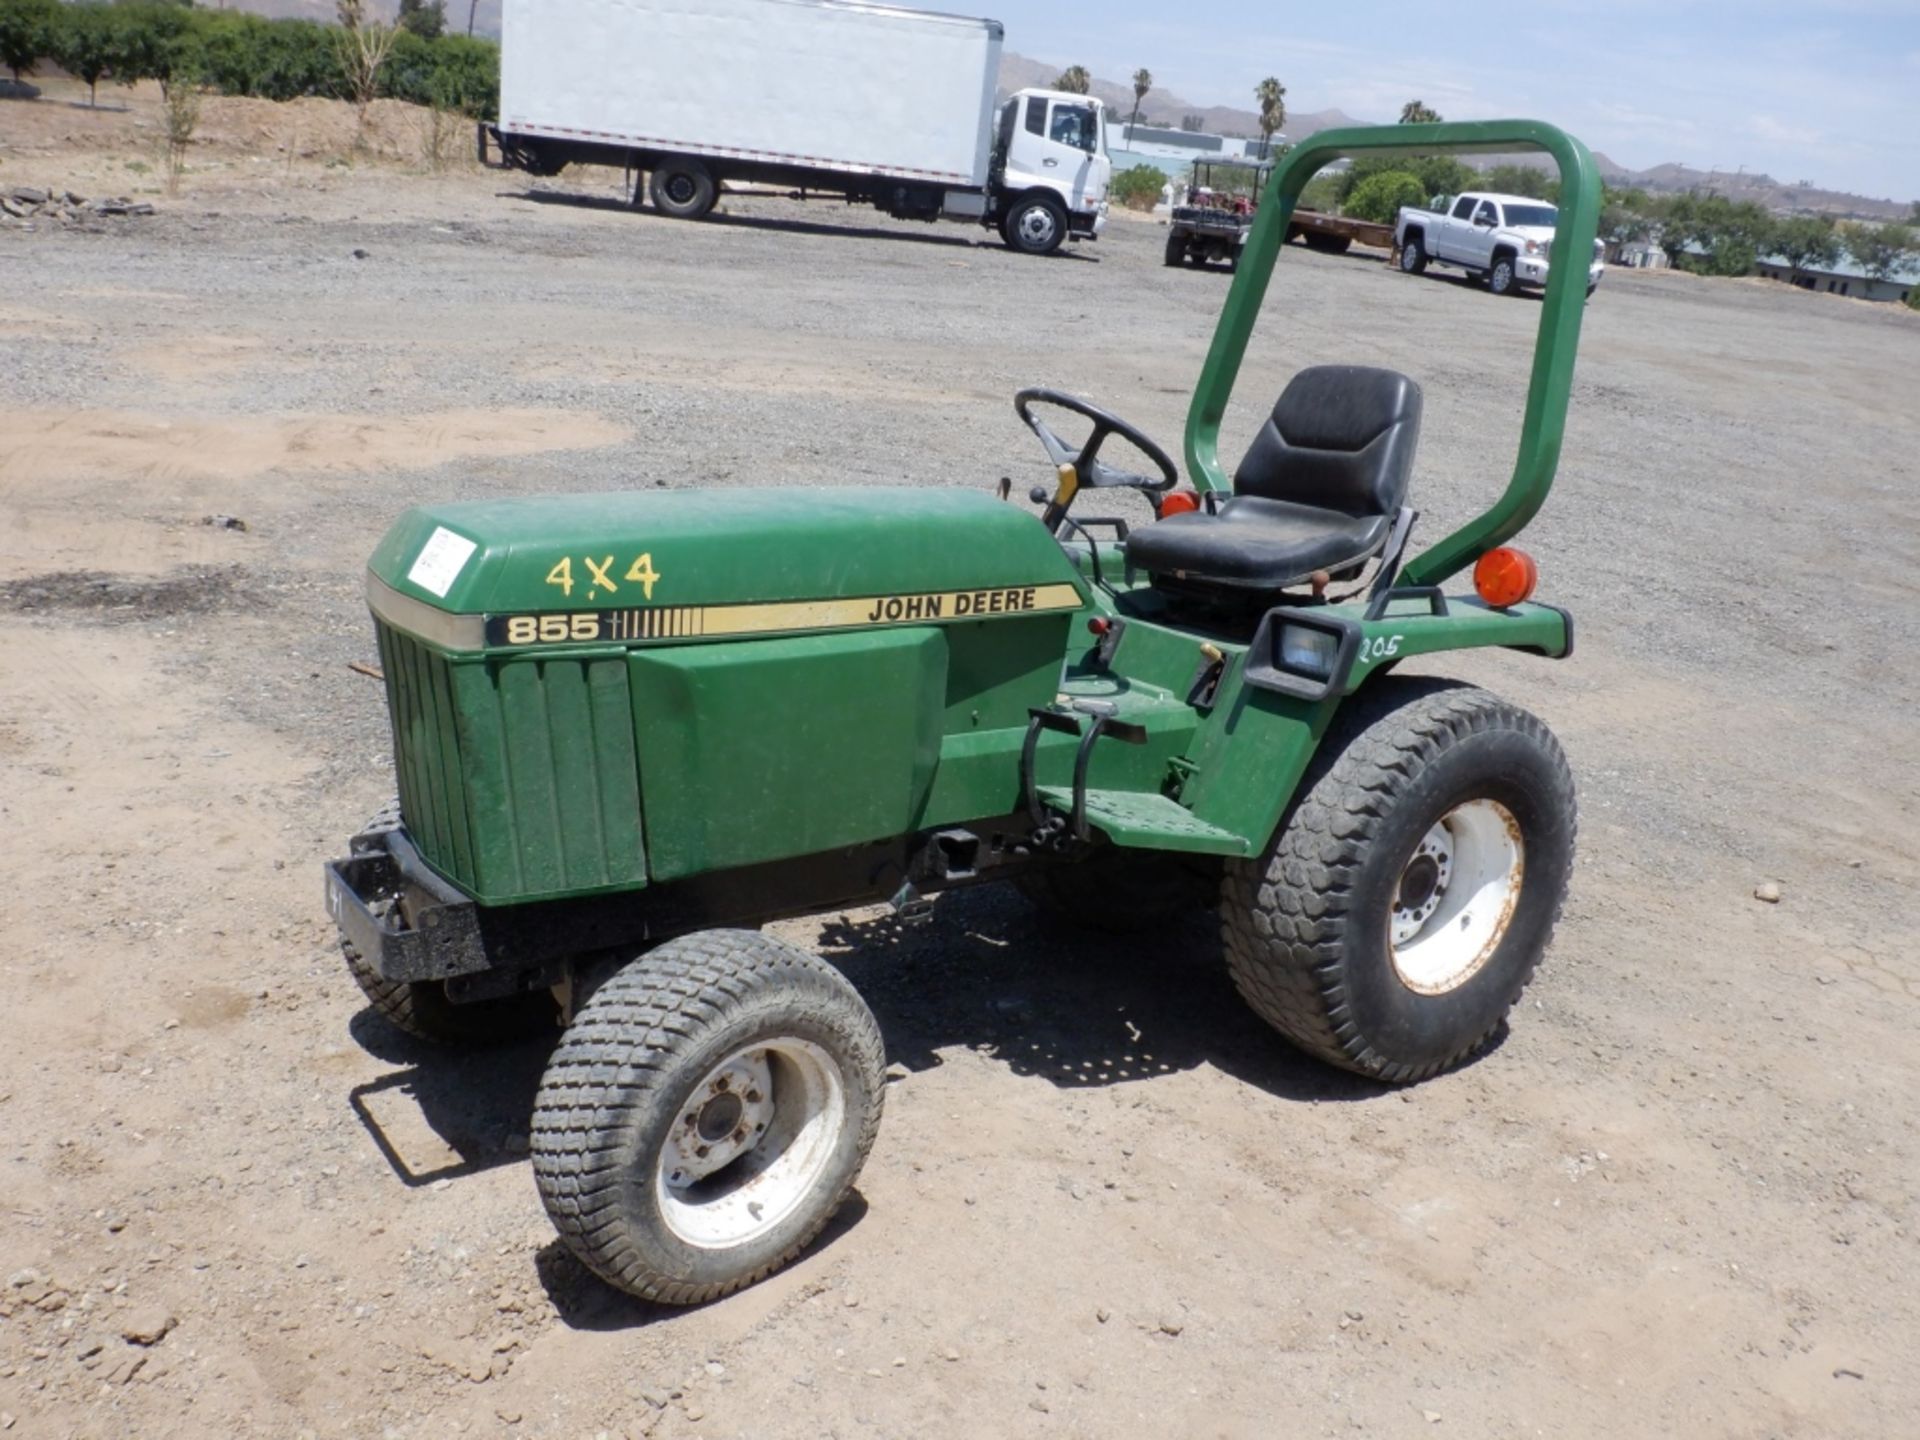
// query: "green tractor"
[[629, 729]]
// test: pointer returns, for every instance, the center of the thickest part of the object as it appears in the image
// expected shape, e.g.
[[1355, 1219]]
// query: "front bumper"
[[405, 921], [1533, 270]]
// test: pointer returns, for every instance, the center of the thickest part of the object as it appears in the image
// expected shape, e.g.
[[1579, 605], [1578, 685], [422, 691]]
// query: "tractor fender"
[[1266, 724]]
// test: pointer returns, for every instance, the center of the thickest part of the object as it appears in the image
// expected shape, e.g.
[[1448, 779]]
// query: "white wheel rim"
[[750, 1143], [1456, 896], [1408, 256], [1502, 275], [1037, 224]]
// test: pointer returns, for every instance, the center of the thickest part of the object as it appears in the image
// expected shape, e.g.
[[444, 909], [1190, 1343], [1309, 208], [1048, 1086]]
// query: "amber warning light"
[[1505, 576]]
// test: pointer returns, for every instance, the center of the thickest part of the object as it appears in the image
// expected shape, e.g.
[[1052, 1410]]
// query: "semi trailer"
[[873, 104]]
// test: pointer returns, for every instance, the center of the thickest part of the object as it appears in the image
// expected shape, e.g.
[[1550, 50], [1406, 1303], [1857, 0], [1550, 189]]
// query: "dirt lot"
[[1678, 1200]]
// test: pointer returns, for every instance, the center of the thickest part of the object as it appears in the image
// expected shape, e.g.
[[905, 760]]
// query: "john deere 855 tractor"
[[631, 728]]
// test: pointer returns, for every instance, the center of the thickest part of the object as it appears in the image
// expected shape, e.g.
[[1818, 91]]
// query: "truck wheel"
[[706, 1113], [1413, 256], [420, 1008], [1035, 226], [1119, 891], [683, 189], [1500, 278], [1176, 250], [1406, 898]]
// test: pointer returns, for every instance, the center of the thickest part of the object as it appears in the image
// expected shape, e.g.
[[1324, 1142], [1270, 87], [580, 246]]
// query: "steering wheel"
[[1084, 467]]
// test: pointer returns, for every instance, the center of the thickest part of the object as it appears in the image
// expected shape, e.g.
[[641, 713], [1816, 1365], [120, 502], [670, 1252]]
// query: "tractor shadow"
[[444, 1115], [1073, 1007]]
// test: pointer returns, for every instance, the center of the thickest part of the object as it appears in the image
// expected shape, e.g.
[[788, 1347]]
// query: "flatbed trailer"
[[1214, 222], [1335, 234]]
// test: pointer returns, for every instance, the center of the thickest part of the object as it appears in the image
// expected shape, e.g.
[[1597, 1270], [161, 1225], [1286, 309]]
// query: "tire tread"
[[1285, 915]]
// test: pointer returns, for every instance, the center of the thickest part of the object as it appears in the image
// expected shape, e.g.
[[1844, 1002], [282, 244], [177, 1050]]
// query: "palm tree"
[[1142, 83], [1075, 80], [1272, 98], [1415, 112]]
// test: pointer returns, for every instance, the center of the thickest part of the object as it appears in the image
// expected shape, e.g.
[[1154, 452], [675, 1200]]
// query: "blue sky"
[[1821, 92]]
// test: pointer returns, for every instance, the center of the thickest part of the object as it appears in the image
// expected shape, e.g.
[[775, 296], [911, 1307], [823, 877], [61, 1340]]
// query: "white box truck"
[[890, 107]]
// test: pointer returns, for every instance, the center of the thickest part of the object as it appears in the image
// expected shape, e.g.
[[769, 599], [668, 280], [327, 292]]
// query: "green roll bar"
[[1554, 348]]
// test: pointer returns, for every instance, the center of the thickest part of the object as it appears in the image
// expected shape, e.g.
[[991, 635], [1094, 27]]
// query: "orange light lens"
[[1505, 576], [1178, 502]]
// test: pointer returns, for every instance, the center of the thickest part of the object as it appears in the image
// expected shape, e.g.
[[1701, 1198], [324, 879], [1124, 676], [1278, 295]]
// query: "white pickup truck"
[[1503, 238]]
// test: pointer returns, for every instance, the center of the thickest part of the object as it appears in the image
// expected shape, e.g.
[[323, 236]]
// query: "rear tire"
[[1119, 891], [684, 189], [727, 1050], [1413, 256], [1176, 250], [1036, 225], [1408, 895]]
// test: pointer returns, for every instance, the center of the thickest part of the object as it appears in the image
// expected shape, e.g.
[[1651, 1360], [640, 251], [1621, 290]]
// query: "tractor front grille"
[[518, 777]]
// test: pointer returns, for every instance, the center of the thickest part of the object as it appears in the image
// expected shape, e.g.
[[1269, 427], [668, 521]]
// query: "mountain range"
[[1163, 107]]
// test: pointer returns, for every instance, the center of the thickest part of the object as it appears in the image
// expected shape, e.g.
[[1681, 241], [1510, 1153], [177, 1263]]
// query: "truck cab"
[[1051, 169], [1503, 238]]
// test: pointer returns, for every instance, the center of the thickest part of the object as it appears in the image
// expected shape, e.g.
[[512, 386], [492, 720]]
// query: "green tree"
[[1806, 242], [1074, 80], [26, 33], [1380, 196], [425, 18], [1438, 174], [1271, 96], [1528, 180], [1415, 112], [1625, 216], [1880, 250], [158, 41], [1142, 83], [1713, 235], [1139, 186], [87, 43], [1322, 193]]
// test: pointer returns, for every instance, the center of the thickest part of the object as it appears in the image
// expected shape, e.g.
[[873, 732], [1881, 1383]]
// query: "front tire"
[[1409, 893], [705, 1115], [420, 1008], [1035, 225], [1501, 279], [1176, 253], [684, 189], [1413, 256]]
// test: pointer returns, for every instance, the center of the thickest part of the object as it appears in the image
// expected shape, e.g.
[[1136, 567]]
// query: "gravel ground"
[[1678, 1198]]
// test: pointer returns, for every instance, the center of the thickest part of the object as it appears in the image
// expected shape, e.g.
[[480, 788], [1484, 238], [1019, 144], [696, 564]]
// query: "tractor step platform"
[[1146, 822]]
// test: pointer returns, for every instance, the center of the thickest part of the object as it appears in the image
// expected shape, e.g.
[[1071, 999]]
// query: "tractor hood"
[[684, 565]]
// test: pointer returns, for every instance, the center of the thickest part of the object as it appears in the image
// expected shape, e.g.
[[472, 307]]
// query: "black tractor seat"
[[1318, 489]]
